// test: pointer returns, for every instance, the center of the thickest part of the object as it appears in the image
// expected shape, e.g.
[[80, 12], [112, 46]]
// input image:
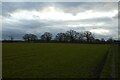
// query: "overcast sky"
[[19, 18]]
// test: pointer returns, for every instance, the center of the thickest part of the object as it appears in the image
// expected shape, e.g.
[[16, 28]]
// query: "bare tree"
[[71, 35], [80, 36], [30, 37], [60, 37], [89, 36], [46, 36]]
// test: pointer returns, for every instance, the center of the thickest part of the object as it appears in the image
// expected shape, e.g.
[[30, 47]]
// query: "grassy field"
[[51, 60], [117, 61], [112, 64]]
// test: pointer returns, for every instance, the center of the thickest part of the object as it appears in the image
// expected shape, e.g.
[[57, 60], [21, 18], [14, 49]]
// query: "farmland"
[[54, 60]]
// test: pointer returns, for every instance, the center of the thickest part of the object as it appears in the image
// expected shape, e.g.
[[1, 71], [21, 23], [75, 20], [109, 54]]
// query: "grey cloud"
[[106, 37], [24, 25], [31, 24], [68, 7], [74, 7], [38, 27], [102, 19], [17, 34], [9, 7], [59, 1]]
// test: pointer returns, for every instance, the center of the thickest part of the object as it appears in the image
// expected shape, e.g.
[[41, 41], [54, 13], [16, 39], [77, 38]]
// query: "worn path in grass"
[[99, 67], [111, 67]]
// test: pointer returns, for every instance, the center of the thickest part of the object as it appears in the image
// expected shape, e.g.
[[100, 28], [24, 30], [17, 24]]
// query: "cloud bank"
[[20, 18]]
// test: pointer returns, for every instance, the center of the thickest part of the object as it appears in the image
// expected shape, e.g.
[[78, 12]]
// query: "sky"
[[19, 18], [60, 0]]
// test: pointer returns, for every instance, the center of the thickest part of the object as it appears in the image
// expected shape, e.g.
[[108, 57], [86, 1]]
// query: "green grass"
[[107, 70], [117, 61], [50, 60]]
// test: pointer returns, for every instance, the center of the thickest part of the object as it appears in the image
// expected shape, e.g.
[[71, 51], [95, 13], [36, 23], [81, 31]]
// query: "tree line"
[[68, 36]]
